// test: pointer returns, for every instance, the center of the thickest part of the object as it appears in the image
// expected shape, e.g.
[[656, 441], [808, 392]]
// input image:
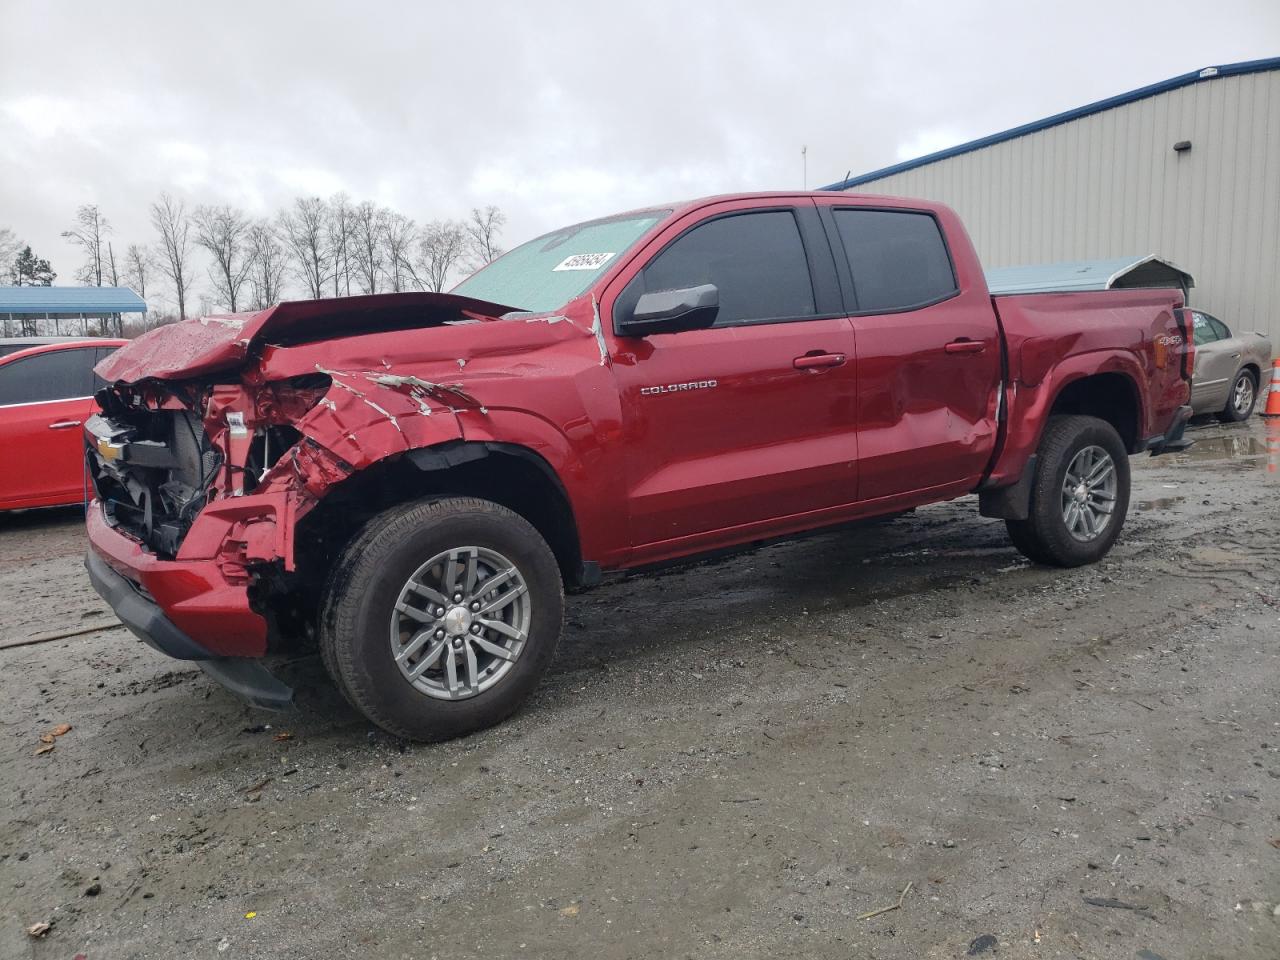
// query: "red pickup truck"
[[411, 481]]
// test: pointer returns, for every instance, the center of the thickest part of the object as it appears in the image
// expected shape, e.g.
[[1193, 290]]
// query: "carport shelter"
[[1116, 273], [35, 311]]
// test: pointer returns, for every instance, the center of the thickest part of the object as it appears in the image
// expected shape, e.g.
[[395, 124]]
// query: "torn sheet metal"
[[597, 331], [368, 415], [451, 393]]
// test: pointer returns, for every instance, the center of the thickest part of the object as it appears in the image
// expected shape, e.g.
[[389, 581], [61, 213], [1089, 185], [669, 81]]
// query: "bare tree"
[[440, 247], [169, 217], [267, 261], [222, 231], [139, 268], [113, 272], [367, 238], [304, 233], [9, 247], [484, 230], [398, 236], [339, 231], [89, 234]]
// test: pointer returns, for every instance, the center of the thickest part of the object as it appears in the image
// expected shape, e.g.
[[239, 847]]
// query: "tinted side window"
[[48, 376], [102, 354], [1205, 332], [1220, 330], [756, 261], [899, 259]]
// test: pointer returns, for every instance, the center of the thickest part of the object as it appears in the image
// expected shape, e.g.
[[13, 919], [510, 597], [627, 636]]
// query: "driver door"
[[733, 429]]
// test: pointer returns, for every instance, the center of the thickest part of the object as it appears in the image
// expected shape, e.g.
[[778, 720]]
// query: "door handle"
[[965, 346], [64, 424], [816, 361]]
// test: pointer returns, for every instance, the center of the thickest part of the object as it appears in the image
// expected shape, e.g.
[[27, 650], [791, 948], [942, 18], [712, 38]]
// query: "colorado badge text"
[[677, 387]]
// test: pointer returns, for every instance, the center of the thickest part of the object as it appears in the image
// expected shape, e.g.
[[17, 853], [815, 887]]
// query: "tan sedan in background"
[[1230, 368]]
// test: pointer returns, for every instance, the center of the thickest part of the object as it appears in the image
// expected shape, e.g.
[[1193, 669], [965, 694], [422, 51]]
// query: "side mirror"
[[672, 311]]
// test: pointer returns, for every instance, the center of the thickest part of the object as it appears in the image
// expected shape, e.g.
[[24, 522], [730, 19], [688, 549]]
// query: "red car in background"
[[46, 394]]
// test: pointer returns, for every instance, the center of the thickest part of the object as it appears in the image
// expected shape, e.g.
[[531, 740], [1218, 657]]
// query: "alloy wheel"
[[460, 622], [1089, 493], [1242, 396]]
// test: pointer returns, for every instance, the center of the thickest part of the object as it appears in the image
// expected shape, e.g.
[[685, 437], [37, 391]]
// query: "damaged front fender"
[[323, 392], [368, 416], [364, 418]]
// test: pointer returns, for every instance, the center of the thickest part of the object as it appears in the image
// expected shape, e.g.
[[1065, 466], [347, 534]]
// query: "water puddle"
[[1257, 445], [1223, 448], [1161, 503]]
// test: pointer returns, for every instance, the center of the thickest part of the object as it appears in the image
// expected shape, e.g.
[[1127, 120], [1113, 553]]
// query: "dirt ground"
[[737, 759]]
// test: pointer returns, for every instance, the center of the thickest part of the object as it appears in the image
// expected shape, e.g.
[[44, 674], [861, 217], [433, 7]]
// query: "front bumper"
[[185, 610], [142, 616], [193, 593], [1172, 440], [246, 678]]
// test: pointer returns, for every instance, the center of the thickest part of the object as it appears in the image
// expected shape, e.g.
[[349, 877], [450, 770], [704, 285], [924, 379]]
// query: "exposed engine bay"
[[154, 466]]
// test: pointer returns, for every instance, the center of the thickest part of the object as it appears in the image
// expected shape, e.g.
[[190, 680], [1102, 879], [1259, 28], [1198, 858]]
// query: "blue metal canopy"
[[37, 301], [1134, 271]]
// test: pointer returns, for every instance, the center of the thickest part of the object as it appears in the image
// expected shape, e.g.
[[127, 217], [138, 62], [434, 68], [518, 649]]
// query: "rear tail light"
[[1187, 327]]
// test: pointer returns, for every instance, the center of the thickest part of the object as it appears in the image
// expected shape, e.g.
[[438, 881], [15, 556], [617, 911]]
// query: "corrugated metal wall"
[[1110, 184]]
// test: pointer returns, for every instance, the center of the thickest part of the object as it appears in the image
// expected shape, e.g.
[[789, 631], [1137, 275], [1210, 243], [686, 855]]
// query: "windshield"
[[548, 272]]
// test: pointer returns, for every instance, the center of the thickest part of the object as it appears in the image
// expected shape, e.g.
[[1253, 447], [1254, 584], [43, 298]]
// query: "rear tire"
[[1241, 399], [411, 656], [1075, 521]]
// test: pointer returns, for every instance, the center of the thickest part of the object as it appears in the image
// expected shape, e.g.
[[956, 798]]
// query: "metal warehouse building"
[[1187, 169]]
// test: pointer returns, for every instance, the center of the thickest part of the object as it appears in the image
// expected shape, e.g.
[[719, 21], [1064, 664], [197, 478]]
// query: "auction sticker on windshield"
[[583, 261]]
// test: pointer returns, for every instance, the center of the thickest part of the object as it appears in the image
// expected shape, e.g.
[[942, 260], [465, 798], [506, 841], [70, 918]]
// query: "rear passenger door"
[[44, 400], [752, 420], [929, 363]]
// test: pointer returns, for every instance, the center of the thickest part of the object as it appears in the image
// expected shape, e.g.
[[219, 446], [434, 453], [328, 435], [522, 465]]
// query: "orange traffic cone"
[[1273, 397]]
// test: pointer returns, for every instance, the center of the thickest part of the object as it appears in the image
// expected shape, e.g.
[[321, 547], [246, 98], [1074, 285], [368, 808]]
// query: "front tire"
[[1079, 495], [1241, 399], [441, 616]]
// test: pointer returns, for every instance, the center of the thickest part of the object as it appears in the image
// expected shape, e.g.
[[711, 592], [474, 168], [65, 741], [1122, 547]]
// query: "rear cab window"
[[46, 377], [898, 258]]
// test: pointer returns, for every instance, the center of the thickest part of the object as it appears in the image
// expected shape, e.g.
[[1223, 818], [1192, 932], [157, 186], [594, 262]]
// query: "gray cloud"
[[555, 112]]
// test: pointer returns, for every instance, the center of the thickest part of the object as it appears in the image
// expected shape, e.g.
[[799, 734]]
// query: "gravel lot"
[[737, 759]]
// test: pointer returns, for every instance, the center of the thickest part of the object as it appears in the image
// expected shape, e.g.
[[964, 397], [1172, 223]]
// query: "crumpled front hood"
[[195, 348]]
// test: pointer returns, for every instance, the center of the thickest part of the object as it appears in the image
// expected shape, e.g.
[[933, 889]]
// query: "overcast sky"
[[553, 111]]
